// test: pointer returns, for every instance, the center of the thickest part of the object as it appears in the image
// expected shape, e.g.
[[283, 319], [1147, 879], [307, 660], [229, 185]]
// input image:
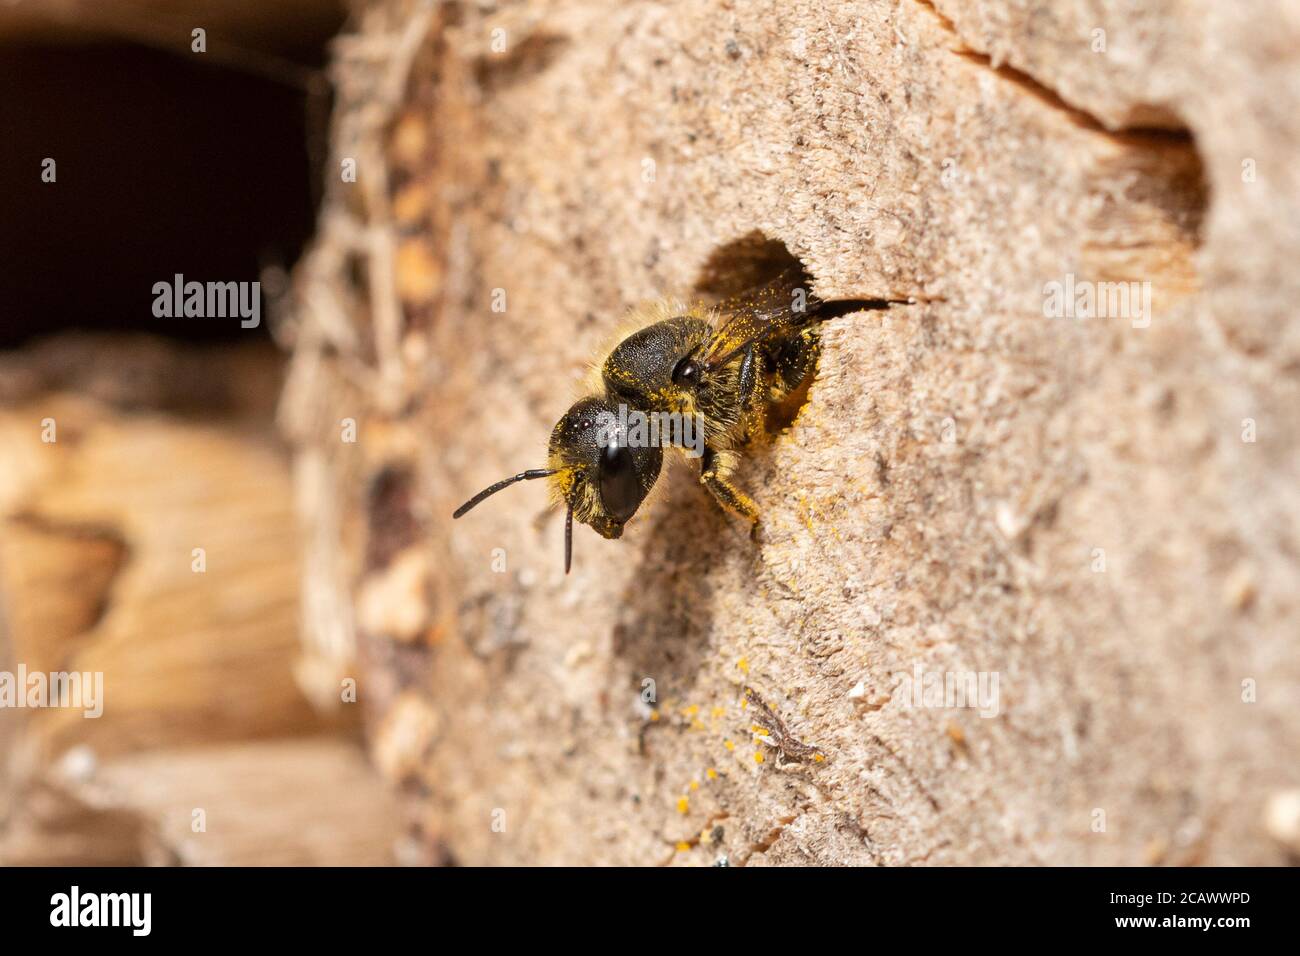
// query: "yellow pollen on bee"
[[564, 481]]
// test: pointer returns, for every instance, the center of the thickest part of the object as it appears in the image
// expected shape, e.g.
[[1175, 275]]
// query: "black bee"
[[710, 375]]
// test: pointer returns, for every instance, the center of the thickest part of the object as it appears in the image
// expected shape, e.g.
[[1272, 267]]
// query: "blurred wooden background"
[[161, 449]]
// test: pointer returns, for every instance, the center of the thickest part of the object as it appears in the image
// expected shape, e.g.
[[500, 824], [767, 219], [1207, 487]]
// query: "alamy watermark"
[[637, 429], [75, 689], [1085, 299], [949, 689], [133, 911], [208, 300]]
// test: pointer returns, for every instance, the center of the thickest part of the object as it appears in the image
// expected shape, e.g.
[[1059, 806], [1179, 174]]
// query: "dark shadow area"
[[744, 263], [164, 163]]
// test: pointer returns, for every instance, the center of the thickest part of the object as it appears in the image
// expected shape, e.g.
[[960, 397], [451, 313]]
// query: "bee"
[[719, 371]]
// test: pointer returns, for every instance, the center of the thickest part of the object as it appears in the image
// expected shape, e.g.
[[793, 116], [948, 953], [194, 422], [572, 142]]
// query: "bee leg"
[[751, 392], [793, 367], [717, 467], [748, 374], [795, 361]]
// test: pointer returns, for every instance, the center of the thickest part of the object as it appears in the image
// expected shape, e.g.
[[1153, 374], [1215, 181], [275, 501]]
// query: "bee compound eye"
[[620, 492], [686, 372]]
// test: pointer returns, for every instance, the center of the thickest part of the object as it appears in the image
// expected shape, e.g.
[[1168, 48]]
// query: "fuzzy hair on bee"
[[699, 379]]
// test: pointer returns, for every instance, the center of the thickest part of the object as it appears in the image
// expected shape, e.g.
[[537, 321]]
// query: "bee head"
[[601, 476]]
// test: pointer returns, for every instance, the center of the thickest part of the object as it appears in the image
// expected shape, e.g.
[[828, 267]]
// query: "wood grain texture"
[[160, 450]]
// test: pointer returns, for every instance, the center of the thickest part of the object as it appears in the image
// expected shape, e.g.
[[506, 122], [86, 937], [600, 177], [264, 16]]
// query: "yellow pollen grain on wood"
[[711, 774], [808, 513], [818, 758], [683, 805], [683, 846], [691, 711], [654, 716], [695, 785], [729, 744], [743, 664], [697, 725], [718, 712], [761, 731], [758, 756]]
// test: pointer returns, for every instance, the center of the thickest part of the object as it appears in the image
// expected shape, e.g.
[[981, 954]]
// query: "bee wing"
[[782, 304]]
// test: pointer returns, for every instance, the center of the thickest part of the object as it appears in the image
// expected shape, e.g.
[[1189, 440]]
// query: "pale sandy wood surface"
[[943, 497]]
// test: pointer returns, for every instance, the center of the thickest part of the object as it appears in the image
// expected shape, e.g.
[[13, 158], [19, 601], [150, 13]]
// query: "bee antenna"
[[503, 483], [568, 540]]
